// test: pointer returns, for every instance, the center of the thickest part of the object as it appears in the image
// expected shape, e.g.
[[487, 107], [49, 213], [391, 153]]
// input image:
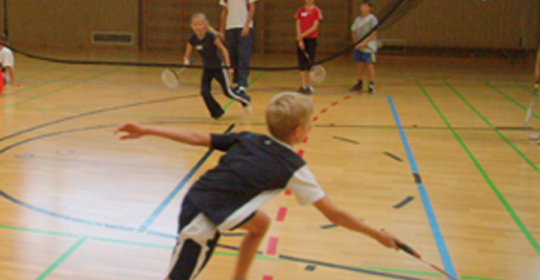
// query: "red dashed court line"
[[282, 212], [268, 277], [273, 241], [272, 246]]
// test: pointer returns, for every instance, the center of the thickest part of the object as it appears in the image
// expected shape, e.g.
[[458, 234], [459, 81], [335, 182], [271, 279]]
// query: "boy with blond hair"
[[254, 168]]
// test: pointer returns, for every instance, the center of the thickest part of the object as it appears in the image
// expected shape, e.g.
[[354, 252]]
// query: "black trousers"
[[206, 91]]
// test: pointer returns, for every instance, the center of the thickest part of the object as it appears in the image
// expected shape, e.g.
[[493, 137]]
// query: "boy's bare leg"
[[371, 72], [257, 228], [303, 77], [361, 66]]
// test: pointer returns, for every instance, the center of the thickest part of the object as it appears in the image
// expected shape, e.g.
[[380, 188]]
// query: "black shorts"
[[310, 45]]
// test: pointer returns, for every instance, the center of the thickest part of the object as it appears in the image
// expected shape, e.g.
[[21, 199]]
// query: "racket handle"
[[407, 249]]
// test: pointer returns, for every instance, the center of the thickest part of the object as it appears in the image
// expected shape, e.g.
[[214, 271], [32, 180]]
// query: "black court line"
[[345, 140], [393, 156], [346, 268], [308, 261], [406, 201], [64, 217], [416, 127], [329, 226], [53, 214], [95, 113]]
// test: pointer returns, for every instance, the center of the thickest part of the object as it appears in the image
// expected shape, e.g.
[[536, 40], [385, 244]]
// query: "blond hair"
[[286, 112], [203, 17]]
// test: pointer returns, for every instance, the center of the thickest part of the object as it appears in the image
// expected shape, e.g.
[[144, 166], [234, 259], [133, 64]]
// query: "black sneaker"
[[303, 90], [357, 87], [371, 88], [310, 90]]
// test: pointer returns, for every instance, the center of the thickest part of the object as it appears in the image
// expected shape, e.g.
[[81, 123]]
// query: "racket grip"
[[407, 249]]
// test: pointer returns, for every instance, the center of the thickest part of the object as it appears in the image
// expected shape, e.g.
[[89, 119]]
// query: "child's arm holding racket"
[[346, 220], [135, 131], [299, 36], [225, 54], [187, 55]]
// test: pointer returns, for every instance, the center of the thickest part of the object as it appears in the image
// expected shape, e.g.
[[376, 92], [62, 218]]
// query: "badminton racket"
[[407, 249], [317, 72], [170, 77], [531, 106]]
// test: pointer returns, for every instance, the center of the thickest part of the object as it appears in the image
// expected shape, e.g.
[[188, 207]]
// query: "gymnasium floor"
[[79, 204]]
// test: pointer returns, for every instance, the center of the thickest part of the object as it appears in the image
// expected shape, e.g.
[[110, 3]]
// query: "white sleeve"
[[353, 27], [8, 60], [305, 187], [223, 3], [252, 1]]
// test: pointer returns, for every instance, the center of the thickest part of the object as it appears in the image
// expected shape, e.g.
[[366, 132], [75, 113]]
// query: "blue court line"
[[437, 234], [148, 222], [47, 212]]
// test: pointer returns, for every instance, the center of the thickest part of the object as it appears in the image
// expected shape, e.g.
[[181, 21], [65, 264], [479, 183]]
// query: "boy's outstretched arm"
[[346, 220], [135, 131]]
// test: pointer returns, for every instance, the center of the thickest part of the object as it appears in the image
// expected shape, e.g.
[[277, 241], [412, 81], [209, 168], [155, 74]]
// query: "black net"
[[471, 28]]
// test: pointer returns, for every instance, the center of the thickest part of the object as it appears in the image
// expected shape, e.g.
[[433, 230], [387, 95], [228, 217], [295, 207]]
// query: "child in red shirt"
[[307, 25]]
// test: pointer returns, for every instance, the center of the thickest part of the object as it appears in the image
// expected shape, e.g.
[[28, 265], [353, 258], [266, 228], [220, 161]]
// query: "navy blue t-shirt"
[[255, 168], [207, 49]]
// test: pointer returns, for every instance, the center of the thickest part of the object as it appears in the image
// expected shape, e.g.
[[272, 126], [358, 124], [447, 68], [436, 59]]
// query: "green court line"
[[401, 271], [521, 154], [62, 258], [60, 89], [222, 253], [477, 278], [486, 177], [46, 83], [511, 99], [140, 244], [249, 85], [41, 71], [39, 231]]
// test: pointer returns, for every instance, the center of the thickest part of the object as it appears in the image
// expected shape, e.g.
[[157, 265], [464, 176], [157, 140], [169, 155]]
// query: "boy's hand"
[[186, 61], [388, 240], [361, 46], [245, 32], [301, 45], [133, 131]]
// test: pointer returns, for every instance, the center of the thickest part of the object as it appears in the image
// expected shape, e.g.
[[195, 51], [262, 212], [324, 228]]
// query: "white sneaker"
[[535, 137]]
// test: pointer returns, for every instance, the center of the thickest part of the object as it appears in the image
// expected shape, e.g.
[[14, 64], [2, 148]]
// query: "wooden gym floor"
[[76, 203]]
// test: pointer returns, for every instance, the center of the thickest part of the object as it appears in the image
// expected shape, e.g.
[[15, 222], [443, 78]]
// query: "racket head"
[[318, 73], [170, 78]]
